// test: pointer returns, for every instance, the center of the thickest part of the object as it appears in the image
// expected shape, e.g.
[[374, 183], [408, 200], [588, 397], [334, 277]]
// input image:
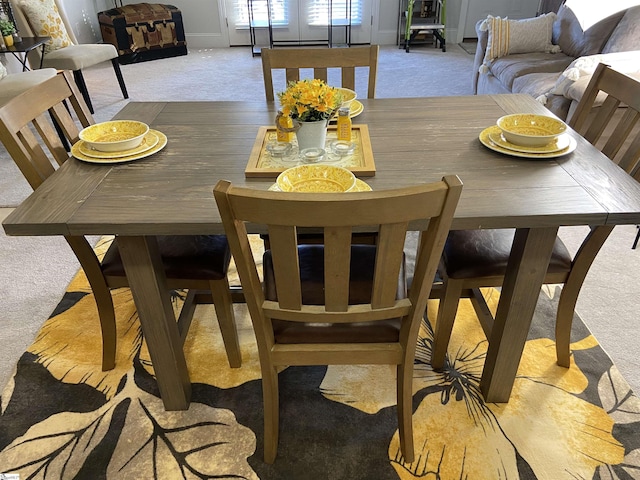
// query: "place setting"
[[318, 179], [529, 136], [117, 141]]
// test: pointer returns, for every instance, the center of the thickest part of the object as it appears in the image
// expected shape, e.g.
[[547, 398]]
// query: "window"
[[279, 12], [319, 11]]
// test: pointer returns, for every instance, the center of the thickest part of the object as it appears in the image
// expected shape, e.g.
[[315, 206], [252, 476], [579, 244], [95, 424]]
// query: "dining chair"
[[478, 258], [320, 59], [13, 84], [337, 303], [196, 263], [63, 52]]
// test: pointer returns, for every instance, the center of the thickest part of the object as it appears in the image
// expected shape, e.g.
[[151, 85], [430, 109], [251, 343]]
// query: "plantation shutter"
[[319, 11], [279, 12]]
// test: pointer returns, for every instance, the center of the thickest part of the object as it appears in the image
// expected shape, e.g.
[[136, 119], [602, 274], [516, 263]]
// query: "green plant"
[[6, 27]]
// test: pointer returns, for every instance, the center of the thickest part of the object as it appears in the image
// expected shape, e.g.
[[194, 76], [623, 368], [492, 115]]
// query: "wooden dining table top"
[[414, 140]]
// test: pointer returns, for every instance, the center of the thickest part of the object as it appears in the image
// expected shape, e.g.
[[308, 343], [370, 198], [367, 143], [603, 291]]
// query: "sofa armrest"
[[483, 37]]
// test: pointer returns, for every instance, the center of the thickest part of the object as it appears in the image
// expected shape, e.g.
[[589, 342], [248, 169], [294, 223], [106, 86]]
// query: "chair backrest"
[[27, 30], [616, 130], [320, 59], [337, 216], [29, 116]]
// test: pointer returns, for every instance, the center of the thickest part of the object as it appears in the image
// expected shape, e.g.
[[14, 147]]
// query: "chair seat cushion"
[[77, 57], [15, 83], [485, 253], [198, 257], [311, 259]]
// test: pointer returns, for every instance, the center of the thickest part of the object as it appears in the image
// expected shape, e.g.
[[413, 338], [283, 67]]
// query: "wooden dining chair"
[[197, 263], [337, 303], [320, 60], [478, 258]]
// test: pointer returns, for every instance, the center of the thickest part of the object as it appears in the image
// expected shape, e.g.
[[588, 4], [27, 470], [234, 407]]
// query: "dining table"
[[413, 141]]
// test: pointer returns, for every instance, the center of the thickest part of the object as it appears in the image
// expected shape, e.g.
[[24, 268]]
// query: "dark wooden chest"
[[144, 31]]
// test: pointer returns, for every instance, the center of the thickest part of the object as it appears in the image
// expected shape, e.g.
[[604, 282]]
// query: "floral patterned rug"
[[62, 417]]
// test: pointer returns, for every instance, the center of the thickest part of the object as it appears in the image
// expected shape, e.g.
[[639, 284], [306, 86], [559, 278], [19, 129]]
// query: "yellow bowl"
[[316, 179], [114, 136], [348, 96], [530, 130]]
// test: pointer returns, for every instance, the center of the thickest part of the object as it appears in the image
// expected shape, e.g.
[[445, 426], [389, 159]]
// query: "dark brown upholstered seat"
[[485, 253]]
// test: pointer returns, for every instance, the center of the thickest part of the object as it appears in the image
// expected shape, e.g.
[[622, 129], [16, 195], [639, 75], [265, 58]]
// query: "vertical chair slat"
[[284, 254], [389, 253], [600, 122], [320, 73], [50, 137], [292, 74], [337, 256], [349, 77], [620, 133], [34, 160]]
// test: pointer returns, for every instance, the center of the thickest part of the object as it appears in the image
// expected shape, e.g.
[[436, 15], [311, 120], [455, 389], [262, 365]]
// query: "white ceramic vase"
[[312, 134]]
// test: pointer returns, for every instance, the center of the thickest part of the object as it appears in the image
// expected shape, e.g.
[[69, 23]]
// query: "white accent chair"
[[74, 57]]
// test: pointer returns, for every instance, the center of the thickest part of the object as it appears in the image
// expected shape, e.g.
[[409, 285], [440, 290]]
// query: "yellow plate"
[[558, 144], [162, 142], [148, 142], [360, 187], [487, 142], [356, 109]]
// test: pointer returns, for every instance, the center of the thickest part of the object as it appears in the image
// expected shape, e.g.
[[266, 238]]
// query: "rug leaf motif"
[[200, 443]]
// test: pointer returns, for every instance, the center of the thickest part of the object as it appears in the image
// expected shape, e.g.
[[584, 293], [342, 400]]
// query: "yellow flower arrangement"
[[310, 100]]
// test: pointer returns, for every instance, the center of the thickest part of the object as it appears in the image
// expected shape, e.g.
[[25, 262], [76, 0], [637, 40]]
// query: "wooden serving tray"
[[263, 164]]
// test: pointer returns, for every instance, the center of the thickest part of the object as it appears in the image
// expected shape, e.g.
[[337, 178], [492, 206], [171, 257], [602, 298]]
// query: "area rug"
[[62, 417]]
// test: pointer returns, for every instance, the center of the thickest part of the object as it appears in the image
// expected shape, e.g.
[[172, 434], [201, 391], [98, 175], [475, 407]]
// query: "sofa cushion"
[[507, 69], [569, 35], [626, 36], [518, 36], [535, 84], [538, 85], [3, 71]]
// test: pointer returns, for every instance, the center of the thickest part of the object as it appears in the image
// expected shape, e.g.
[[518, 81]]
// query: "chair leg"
[[116, 68], [102, 295], [271, 412], [404, 391], [82, 86], [571, 289], [444, 322], [224, 311]]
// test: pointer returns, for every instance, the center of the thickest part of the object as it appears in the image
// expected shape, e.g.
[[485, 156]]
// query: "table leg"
[[145, 274], [525, 274]]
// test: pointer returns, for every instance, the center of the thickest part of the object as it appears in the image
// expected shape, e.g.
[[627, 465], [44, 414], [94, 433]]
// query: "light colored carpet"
[[35, 271]]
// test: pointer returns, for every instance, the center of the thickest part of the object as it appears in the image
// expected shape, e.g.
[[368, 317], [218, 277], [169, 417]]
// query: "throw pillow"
[[3, 71], [44, 19], [518, 36], [574, 79]]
